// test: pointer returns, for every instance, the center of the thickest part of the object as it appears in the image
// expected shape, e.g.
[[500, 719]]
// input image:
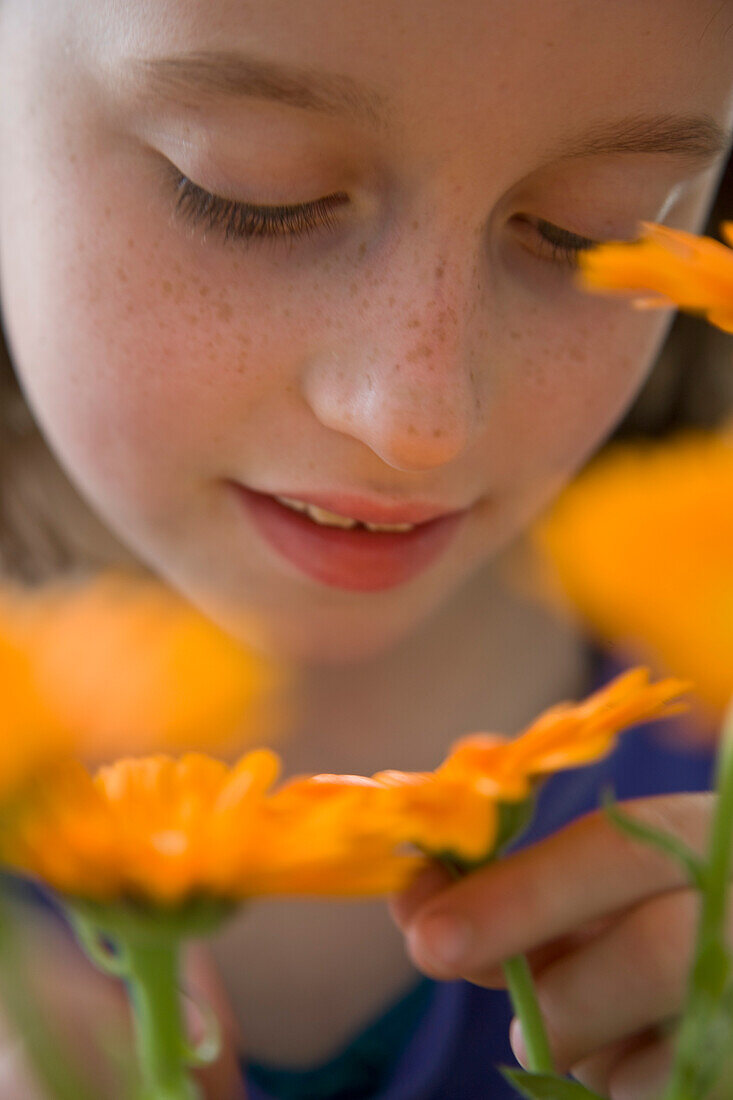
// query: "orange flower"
[[457, 809], [163, 832], [565, 736], [410, 807], [641, 545], [692, 272], [129, 665]]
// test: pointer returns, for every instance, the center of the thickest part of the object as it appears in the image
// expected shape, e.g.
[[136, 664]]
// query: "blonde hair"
[[48, 530]]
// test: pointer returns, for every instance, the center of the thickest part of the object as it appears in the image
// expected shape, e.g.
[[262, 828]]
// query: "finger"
[[429, 882], [81, 1008], [631, 977], [583, 872], [16, 1078], [594, 1072], [541, 957], [643, 1074], [224, 1078]]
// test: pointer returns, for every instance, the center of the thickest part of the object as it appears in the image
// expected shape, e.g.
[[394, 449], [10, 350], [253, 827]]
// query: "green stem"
[[520, 985], [524, 1002], [711, 966], [161, 1043]]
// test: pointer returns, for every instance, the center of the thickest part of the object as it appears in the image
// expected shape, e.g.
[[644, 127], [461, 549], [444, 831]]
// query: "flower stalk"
[[152, 976], [527, 1010], [520, 984], [707, 1021]]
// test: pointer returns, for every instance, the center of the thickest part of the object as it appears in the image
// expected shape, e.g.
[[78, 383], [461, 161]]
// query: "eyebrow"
[[696, 137], [225, 75], [187, 78]]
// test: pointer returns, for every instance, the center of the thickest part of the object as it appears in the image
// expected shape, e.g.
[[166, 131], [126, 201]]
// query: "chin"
[[315, 642]]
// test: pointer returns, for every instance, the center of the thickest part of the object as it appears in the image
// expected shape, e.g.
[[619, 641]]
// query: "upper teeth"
[[332, 519]]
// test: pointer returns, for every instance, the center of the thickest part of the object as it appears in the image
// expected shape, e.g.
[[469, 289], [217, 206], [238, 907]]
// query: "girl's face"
[[377, 314]]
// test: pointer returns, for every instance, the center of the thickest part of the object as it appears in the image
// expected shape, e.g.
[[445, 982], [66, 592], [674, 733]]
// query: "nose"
[[403, 379]]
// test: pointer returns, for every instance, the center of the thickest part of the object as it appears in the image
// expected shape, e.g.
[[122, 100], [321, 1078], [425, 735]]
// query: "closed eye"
[[564, 246], [245, 221]]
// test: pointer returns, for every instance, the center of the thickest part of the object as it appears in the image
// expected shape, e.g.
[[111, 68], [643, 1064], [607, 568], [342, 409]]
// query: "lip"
[[352, 559], [368, 511]]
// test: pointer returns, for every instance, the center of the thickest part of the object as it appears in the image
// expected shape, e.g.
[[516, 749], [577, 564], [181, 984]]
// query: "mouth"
[[349, 542]]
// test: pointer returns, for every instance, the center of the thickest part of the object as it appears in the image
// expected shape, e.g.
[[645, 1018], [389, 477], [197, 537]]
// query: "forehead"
[[513, 72]]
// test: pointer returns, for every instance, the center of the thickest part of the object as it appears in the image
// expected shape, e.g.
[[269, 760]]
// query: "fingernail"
[[444, 939], [516, 1039]]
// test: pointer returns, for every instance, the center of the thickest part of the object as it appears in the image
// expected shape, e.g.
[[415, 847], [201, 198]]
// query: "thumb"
[[223, 1080]]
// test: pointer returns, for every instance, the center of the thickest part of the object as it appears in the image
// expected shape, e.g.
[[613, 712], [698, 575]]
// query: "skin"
[[428, 348]]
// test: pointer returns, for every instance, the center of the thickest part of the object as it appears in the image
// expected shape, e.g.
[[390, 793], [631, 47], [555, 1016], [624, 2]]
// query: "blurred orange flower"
[[641, 546], [30, 736], [164, 832], [682, 269], [129, 666]]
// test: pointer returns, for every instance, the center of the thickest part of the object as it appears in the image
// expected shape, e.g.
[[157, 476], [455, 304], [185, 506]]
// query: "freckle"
[[340, 374], [437, 433], [224, 311], [390, 300], [286, 312], [361, 251], [416, 224], [204, 291], [439, 271], [422, 351], [177, 268], [167, 286], [365, 303], [130, 242], [397, 367], [411, 430], [192, 319], [414, 322], [120, 273]]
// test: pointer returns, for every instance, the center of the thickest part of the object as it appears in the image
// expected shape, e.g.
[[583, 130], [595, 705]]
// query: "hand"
[[79, 1002], [608, 927]]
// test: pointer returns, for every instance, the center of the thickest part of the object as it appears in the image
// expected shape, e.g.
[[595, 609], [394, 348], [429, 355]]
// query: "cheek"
[[157, 358], [570, 382]]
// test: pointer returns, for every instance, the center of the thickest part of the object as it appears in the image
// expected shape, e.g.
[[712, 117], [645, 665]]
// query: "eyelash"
[[564, 244], [245, 221]]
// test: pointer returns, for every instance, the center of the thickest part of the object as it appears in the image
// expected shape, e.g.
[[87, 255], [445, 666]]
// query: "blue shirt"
[[444, 1039]]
